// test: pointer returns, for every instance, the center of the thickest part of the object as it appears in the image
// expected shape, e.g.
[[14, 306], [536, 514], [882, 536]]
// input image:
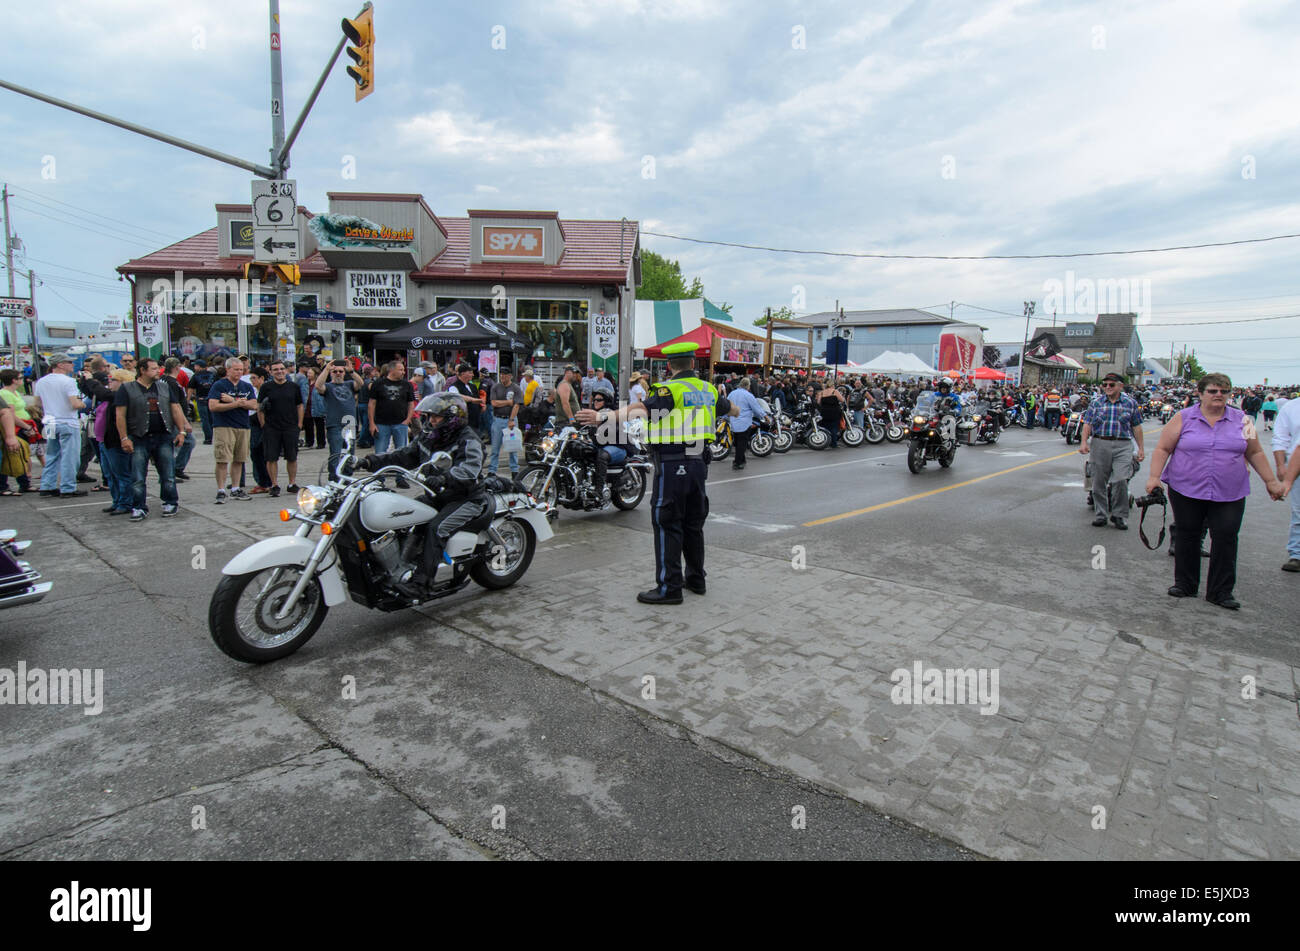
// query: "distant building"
[[872, 332], [1108, 345]]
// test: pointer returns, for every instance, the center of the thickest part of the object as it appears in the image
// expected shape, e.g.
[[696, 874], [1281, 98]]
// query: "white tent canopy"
[[898, 364]]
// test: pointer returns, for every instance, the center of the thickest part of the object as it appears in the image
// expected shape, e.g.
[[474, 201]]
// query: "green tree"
[[1188, 367], [781, 313], [661, 279]]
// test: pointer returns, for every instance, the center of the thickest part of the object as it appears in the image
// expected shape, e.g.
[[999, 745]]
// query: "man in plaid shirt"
[[1113, 419]]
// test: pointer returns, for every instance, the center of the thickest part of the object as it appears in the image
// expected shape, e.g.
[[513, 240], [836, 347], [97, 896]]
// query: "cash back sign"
[[604, 343], [150, 331]]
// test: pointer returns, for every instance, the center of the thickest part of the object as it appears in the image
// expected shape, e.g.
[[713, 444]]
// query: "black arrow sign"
[[268, 244]]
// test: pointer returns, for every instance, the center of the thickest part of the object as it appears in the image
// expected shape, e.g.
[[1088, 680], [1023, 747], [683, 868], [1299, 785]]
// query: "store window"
[[205, 337], [556, 329], [482, 304]]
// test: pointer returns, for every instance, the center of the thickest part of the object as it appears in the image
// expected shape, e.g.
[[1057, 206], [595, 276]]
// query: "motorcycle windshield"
[[925, 404]]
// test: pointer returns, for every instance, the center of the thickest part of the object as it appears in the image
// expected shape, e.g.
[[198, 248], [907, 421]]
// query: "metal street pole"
[[9, 268], [1024, 348], [31, 326], [280, 162]]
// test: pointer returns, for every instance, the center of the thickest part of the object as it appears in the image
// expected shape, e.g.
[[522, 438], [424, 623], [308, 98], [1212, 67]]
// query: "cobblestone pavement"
[[1094, 726]]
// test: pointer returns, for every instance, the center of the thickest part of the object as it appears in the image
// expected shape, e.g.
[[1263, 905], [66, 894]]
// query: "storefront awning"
[[702, 335], [657, 322]]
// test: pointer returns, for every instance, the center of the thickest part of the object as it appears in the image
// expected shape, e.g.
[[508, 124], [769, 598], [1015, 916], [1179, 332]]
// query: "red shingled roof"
[[591, 255], [592, 251], [199, 255]]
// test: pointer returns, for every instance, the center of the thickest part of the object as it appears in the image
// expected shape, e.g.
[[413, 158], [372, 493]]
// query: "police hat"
[[684, 349]]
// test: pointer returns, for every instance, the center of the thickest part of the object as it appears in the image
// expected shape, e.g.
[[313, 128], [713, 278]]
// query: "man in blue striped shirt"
[[742, 425], [1114, 420]]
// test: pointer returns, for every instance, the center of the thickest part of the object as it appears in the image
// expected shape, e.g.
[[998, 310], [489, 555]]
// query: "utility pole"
[[36, 356], [280, 163], [9, 269], [1024, 348], [767, 353]]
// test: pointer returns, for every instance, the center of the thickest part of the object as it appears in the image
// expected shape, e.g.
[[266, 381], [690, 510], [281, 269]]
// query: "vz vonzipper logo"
[[447, 322]]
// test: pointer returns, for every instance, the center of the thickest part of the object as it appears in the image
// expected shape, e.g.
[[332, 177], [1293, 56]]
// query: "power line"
[[969, 257], [30, 195], [68, 302], [64, 267], [119, 236]]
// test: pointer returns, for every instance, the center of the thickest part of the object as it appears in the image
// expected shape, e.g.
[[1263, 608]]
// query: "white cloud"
[[442, 133], [486, 189]]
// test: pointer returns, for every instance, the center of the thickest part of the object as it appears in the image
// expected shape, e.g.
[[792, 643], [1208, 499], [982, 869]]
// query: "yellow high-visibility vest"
[[693, 414]]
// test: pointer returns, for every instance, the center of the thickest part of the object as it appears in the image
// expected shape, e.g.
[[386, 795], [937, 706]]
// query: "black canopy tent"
[[458, 326]]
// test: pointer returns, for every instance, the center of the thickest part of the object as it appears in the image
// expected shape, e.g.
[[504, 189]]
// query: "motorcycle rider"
[[605, 454], [948, 405], [460, 495]]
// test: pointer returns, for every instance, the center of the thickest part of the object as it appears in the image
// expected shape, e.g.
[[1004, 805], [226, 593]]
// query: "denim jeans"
[[205, 421], [334, 436], [159, 449], [499, 427], [860, 418], [62, 456], [184, 452], [1293, 542], [396, 432], [364, 439], [117, 466]]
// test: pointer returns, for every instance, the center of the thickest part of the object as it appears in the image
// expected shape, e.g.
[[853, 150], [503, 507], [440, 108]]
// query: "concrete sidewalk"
[[1103, 745]]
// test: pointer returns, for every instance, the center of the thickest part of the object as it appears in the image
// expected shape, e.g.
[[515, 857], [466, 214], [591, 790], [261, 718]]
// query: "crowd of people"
[[142, 415]]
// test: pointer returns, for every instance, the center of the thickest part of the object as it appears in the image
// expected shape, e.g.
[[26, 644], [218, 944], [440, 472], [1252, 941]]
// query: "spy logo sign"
[[513, 243]]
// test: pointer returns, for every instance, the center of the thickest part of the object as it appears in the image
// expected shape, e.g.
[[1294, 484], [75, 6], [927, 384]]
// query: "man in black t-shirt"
[[280, 409], [464, 385], [391, 405], [171, 375]]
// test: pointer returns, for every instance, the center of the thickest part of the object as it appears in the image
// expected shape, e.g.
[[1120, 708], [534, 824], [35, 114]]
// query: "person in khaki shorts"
[[229, 401]]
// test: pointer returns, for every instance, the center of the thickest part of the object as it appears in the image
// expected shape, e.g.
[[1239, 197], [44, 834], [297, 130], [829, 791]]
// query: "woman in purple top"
[[1207, 447]]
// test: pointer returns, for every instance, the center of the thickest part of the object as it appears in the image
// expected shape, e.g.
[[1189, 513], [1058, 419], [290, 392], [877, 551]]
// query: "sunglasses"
[[1214, 392]]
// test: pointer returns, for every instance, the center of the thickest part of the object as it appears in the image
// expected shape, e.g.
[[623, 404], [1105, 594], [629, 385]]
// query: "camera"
[[1157, 497]]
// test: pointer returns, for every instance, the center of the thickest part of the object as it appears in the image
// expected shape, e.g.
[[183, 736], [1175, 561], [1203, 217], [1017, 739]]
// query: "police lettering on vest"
[[692, 416]]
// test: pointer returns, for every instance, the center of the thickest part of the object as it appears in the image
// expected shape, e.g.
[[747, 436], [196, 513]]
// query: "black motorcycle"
[[565, 476], [928, 435], [20, 583]]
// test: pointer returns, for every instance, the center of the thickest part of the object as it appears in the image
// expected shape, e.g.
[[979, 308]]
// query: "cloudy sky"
[[1006, 127]]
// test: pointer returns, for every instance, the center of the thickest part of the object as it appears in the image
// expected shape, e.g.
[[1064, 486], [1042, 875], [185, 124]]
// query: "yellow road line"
[[946, 488]]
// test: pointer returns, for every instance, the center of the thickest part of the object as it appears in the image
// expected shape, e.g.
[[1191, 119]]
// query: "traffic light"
[[361, 33], [267, 273]]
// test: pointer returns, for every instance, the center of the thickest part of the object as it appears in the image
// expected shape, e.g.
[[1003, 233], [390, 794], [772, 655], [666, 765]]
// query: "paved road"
[[773, 690]]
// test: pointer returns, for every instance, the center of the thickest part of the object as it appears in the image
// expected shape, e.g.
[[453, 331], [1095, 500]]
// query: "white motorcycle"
[[274, 595]]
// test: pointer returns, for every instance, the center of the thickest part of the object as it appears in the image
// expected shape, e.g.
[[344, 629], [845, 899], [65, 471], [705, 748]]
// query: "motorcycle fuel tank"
[[382, 511]]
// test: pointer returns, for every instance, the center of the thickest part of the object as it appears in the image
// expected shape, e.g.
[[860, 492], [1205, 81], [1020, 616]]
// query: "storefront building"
[[378, 261]]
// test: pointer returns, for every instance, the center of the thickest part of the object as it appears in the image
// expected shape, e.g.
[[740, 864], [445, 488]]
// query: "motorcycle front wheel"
[[629, 491], [853, 436], [241, 616], [875, 433], [946, 457], [915, 458], [761, 444], [783, 442], [718, 452], [818, 438], [895, 433], [532, 479]]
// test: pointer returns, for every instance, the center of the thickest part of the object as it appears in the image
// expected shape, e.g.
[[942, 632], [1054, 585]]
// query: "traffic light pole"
[[286, 345]]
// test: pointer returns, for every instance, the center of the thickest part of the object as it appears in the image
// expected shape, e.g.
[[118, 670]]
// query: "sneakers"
[[240, 495], [294, 489], [73, 495], [119, 511], [221, 497], [275, 492], [139, 515], [1293, 564], [181, 476], [169, 511]]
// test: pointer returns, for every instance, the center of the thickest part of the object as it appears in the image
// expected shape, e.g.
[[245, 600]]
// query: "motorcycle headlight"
[[548, 444], [311, 499], [919, 420], [976, 418]]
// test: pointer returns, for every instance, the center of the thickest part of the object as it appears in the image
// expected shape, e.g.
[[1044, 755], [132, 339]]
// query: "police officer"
[[683, 414]]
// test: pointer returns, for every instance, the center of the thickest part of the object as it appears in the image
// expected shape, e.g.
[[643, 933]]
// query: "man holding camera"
[[1113, 419]]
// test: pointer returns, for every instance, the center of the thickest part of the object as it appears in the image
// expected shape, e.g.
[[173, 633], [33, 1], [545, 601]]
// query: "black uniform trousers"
[[680, 508]]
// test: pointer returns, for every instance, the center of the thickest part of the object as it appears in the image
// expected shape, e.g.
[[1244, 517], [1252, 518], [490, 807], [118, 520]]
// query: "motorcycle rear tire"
[[224, 628], [483, 574], [915, 458], [761, 444], [630, 497]]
